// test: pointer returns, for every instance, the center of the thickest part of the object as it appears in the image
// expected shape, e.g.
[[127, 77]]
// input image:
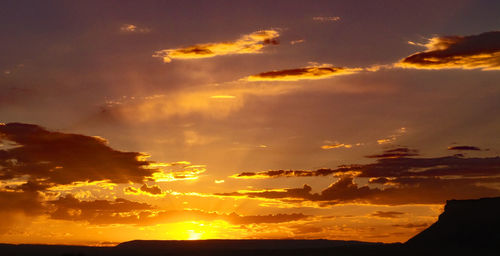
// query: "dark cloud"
[[388, 214], [64, 158], [284, 173], [392, 163], [148, 190], [312, 72], [465, 52], [33, 160], [400, 180], [396, 153], [402, 191], [412, 225], [26, 202], [464, 148], [431, 167]]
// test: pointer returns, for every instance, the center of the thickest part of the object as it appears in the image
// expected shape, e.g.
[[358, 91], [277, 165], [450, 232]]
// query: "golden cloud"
[[247, 44], [458, 52], [306, 73], [332, 145]]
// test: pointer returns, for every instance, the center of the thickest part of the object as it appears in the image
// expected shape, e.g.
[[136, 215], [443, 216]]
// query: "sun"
[[193, 235]]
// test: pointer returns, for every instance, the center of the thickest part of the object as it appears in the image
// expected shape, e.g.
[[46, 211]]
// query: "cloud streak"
[[306, 73], [246, 44]]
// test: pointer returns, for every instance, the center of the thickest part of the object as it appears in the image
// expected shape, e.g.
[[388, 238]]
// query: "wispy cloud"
[[299, 41], [247, 44], [326, 18], [387, 214], [307, 73], [468, 148], [335, 144], [131, 28]]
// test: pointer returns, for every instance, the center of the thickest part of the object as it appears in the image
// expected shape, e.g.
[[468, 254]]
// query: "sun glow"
[[193, 235], [197, 230]]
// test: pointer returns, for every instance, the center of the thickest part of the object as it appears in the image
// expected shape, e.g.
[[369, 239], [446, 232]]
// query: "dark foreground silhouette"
[[466, 227]]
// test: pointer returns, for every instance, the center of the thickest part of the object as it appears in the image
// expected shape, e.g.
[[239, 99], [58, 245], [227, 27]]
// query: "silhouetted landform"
[[466, 227], [464, 223]]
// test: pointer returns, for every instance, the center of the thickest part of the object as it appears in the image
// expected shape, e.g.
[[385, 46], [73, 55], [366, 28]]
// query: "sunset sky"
[[346, 120]]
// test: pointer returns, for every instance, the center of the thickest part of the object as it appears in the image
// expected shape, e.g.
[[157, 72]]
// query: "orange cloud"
[[393, 137], [247, 44], [332, 145], [184, 171], [307, 73], [458, 52]]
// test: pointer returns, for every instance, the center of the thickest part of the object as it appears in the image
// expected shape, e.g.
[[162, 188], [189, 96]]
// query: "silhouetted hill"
[[463, 224]]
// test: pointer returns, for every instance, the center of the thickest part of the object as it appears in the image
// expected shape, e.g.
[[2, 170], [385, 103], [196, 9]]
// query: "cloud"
[[247, 44], [393, 137], [388, 214], [326, 18], [431, 167], [412, 225], [153, 190], [395, 164], [332, 145], [395, 178], [396, 153], [458, 52], [299, 41], [403, 191], [306, 73], [122, 211], [182, 171], [215, 102], [62, 158], [131, 28], [287, 173], [470, 148]]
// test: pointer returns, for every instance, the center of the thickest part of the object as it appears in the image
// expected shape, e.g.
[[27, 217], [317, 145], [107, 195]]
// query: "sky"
[[346, 120]]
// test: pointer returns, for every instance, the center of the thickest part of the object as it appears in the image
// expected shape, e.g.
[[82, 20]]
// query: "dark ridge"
[[271, 244]]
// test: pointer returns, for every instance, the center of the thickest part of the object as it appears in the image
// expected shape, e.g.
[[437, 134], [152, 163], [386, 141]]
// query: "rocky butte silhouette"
[[466, 227]]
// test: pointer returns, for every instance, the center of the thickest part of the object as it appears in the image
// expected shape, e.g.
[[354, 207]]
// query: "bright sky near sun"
[[349, 120]]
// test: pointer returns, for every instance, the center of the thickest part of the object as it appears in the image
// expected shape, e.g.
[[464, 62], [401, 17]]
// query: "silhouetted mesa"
[[464, 224]]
